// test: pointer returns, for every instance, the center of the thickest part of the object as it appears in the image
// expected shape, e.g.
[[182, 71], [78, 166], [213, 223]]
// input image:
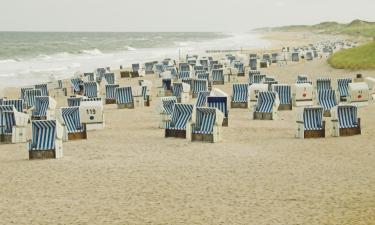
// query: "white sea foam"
[[130, 48], [92, 52]]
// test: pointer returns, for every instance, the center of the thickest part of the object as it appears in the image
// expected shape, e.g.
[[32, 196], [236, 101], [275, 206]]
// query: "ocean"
[[32, 57]]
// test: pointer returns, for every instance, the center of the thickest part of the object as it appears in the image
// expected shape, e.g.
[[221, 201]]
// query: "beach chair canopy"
[[180, 116], [313, 118], [347, 116], [265, 101], [110, 91], [323, 83], [218, 102], [149, 66], [23, 92], [284, 92], [7, 119], [124, 95], [183, 74], [343, 86], [41, 105], [239, 66], [217, 75], [199, 85], [72, 120], [202, 98], [167, 104], [327, 98], [30, 96], [110, 78], [240, 93], [199, 68], [256, 78], [90, 89], [17, 103], [74, 101], [75, 82], [184, 67], [205, 120], [43, 135], [89, 76], [43, 89], [135, 67]]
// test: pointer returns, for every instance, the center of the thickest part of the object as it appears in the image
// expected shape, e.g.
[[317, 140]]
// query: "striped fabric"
[[183, 74], [110, 78], [256, 78], [17, 103], [217, 67], [218, 102], [347, 115], [168, 104], [270, 83], [110, 91], [323, 83], [23, 92], [239, 66], [343, 86], [206, 118], [30, 97], [204, 63], [177, 89], [285, 94], [100, 72], [202, 74], [72, 119], [202, 98], [184, 67], [75, 82], [217, 75], [253, 63], [240, 93], [327, 98], [41, 106], [135, 67], [144, 92], [149, 66], [199, 68], [313, 118], [90, 76], [166, 84], [7, 120], [90, 89], [254, 72], [181, 115], [199, 86], [124, 95], [74, 101], [265, 102], [43, 135], [43, 88]]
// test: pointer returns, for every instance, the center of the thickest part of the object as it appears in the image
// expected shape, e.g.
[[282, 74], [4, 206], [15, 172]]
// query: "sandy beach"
[[258, 174]]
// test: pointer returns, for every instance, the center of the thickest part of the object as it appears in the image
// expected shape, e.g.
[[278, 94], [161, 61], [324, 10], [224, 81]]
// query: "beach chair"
[[181, 91], [345, 121], [310, 123], [149, 68], [359, 94], [253, 63], [23, 93], [146, 92], [183, 74], [343, 87], [309, 56], [46, 142], [295, 57], [13, 125], [202, 99], [200, 68], [17, 103], [43, 89], [184, 67], [44, 108], [303, 94], [74, 101], [92, 114], [77, 86], [110, 93], [240, 96], [206, 125], [199, 85], [284, 92], [124, 98], [270, 83], [30, 97], [177, 126], [255, 89], [71, 121], [274, 57], [90, 89], [204, 63], [165, 109], [217, 67], [217, 76], [89, 77], [202, 74], [323, 83], [267, 105], [240, 68], [220, 102], [110, 78], [327, 99], [135, 67], [99, 74], [166, 88]]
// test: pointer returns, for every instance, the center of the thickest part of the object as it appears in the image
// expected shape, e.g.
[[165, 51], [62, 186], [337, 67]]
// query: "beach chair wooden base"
[[134, 74], [45, 154], [77, 136], [218, 82], [6, 138], [285, 107], [240, 74], [110, 101], [263, 65], [316, 133], [343, 99], [125, 74], [38, 117], [202, 138], [327, 113], [149, 72], [175, 133], [239, 105], [225, 122], [147, 101], [262, 116], [345, 132], [194, 95], [126, 106]]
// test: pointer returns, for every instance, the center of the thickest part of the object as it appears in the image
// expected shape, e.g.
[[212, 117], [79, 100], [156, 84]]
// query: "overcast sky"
[[175, 15]]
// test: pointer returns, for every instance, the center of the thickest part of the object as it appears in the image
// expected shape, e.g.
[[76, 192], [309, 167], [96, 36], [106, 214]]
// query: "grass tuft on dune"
[[362, 57]]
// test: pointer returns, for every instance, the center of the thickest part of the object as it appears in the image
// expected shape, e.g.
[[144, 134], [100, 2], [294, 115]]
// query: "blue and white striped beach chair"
[[327, 99], [73, 127], [310, 123], [202, 99], [46, 140], [135, 67], [110, 93], [204, 63], [149, 67], [184, 67], [266, 107], [343, 87], [74, 101], [221, 104], [12, 125], [43, 89], [23, 92], [217, 76], [202, 74], [165, 109], [240, 96], [253, 63], [199, 85], [181, 91], [206, 124], [199, 68], [285, 96], [323, 83], [124, 98], [30, 97], [183, 74], [90, 89], [345, 121], [77, 87], [177, 126], [44, 108], [240, 68], [110, 78], [17, 103], [89, 77]]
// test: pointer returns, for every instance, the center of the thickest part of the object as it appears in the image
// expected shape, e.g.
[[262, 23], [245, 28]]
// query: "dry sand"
[[259, 173]]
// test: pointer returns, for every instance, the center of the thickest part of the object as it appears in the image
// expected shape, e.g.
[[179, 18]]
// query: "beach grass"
[[362, 57]]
